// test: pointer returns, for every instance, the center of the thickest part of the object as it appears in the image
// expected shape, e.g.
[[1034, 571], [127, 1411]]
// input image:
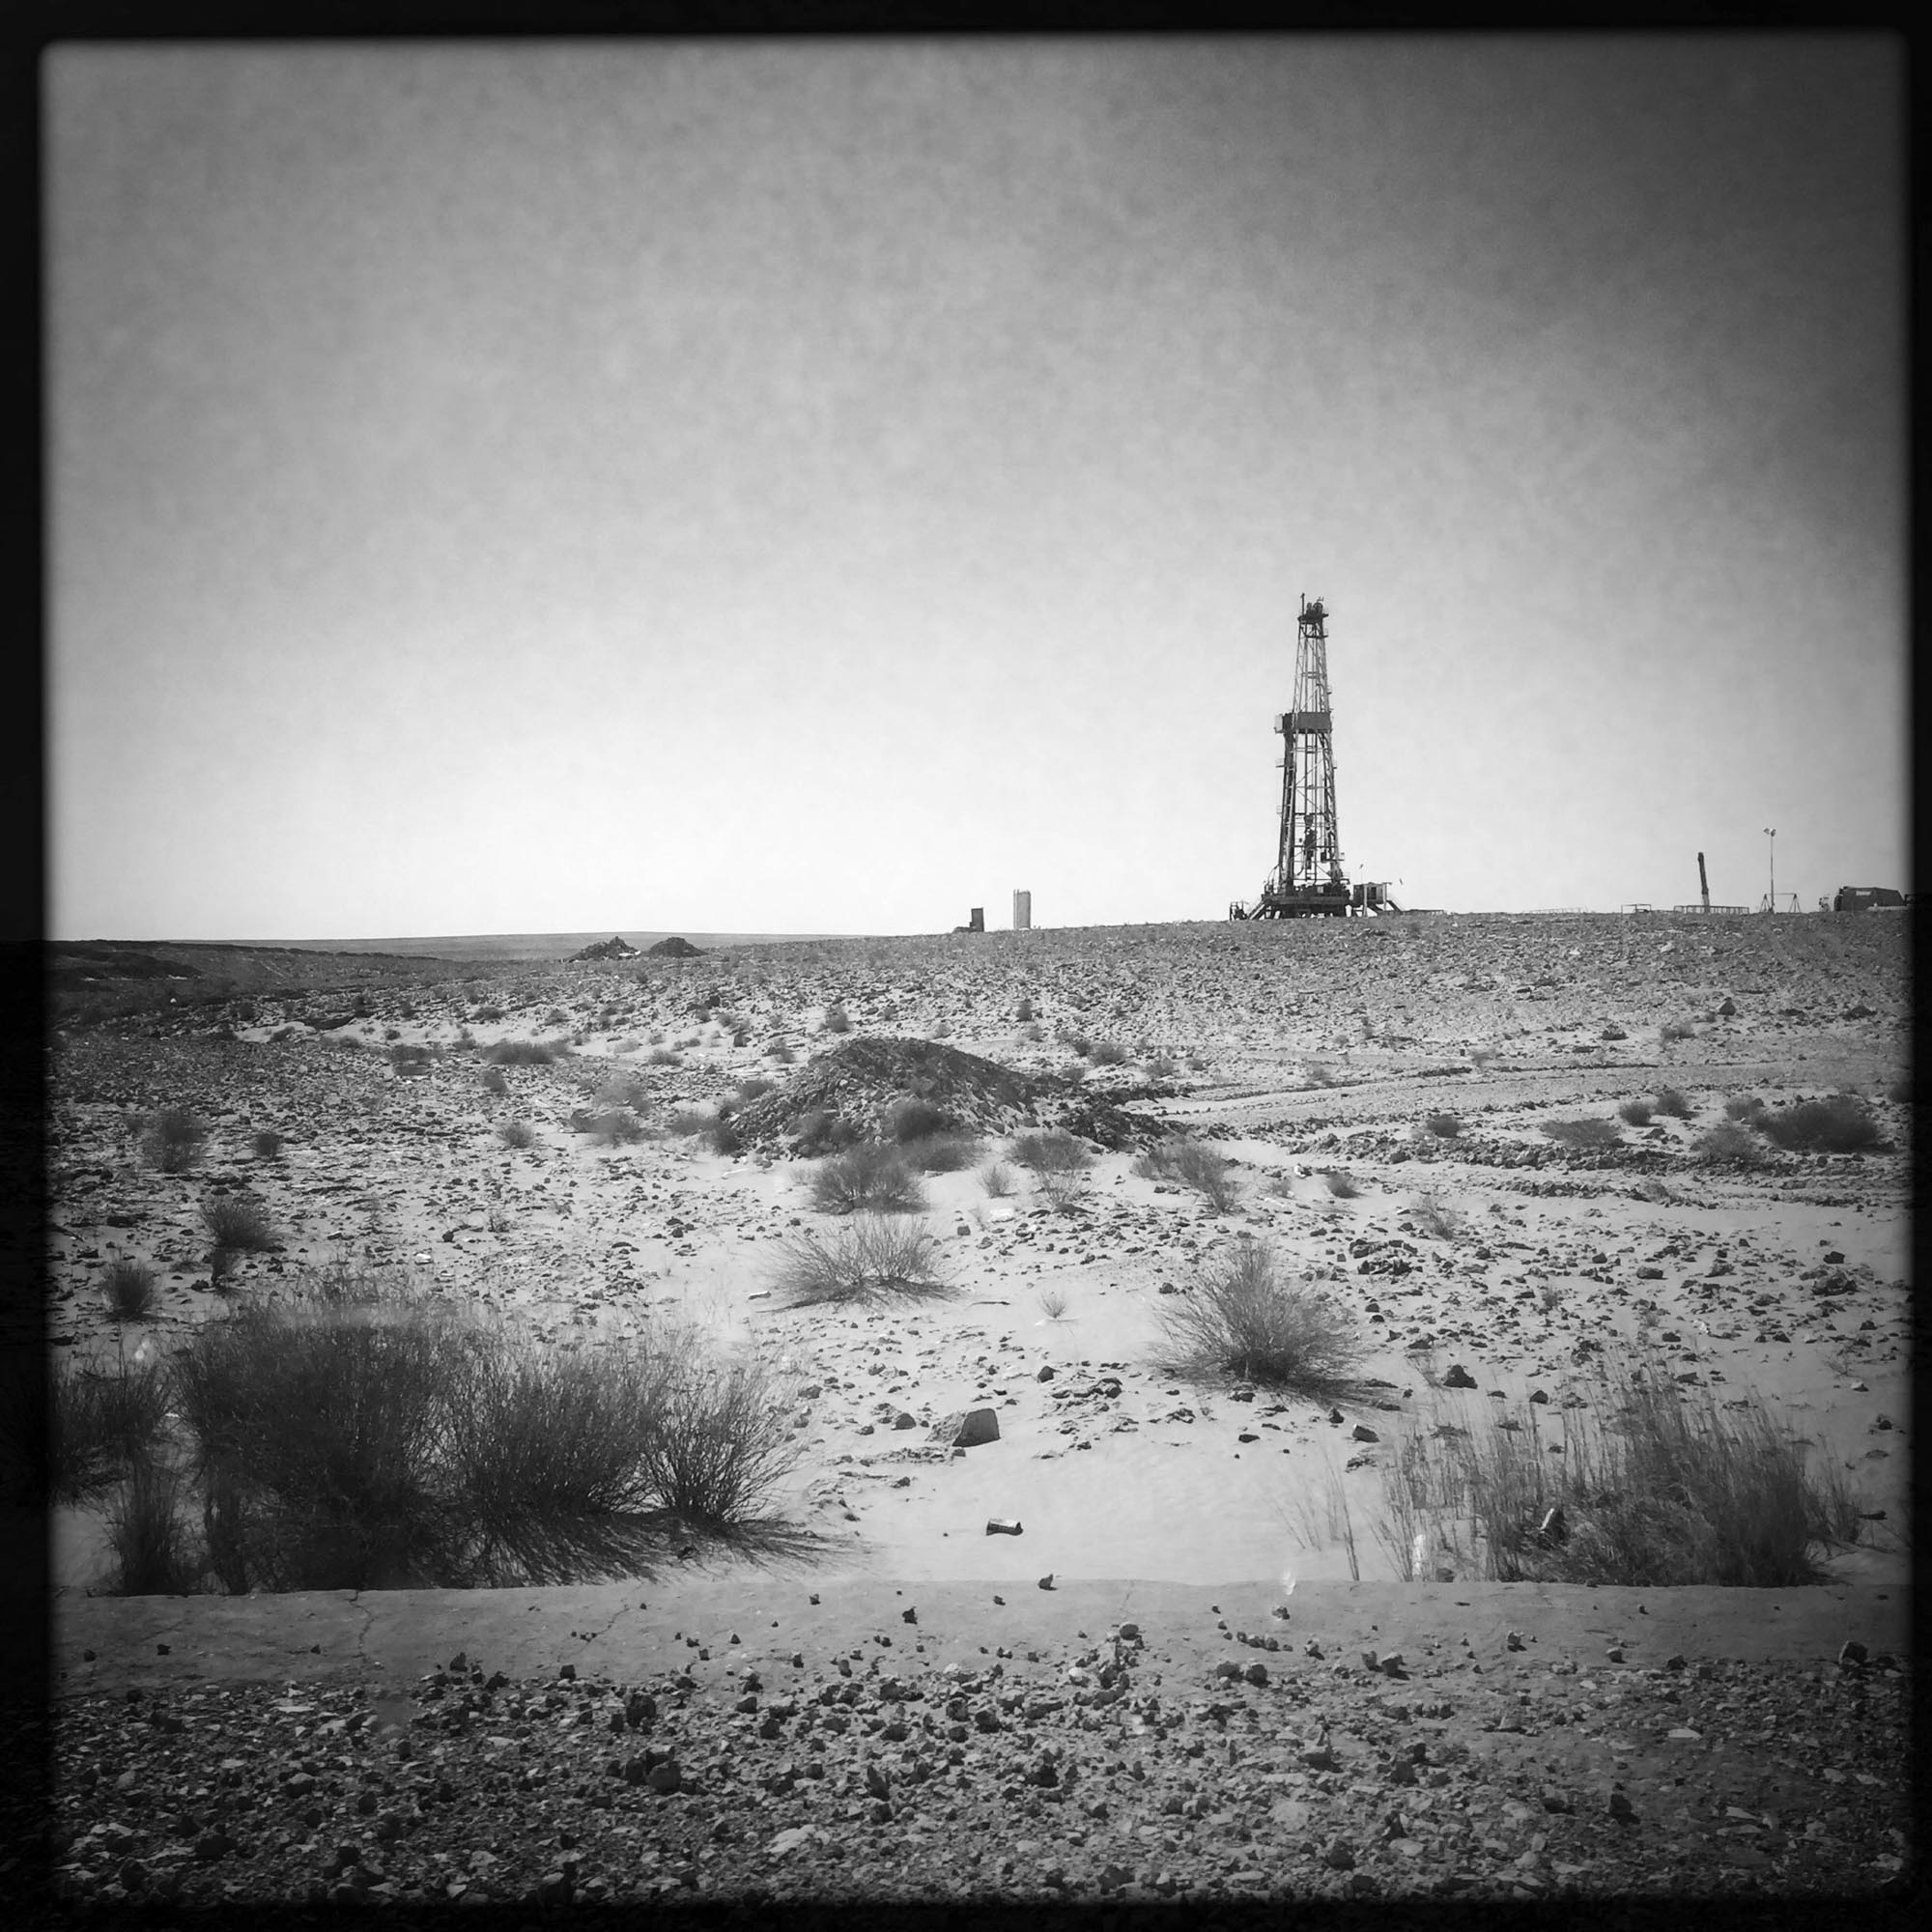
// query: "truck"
[[1866, 898]]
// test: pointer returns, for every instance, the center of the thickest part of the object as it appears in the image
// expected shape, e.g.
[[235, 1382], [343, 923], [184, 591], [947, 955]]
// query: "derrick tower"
[[1307, 877]]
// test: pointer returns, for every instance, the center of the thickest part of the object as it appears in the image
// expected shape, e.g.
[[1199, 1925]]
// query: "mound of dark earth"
[[675, 949], [612, 948], [859, 1080]]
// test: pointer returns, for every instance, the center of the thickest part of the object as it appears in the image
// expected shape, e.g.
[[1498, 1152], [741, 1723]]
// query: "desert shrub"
[[266, 1143], [1189, 1163], [621, 1090], [1316, 1072], [1053, 1304], [240, 1224], [836, 1020], [1583, 1133], [1635, 1113], [821, 1131], [1436, 1220], [722, 1442], [1669, 1101], [721, 1137], [1729, 1143], [1746, 1108], [750, 1089], [1444, 1127], [516, 1133], [912, 1120], [130, 1287], [1079, 1044], [1342, 1184], [1052, 1151], [1841, 1124], [1671, 1492], [1107, 1053], [404, 1056], [147, 1533], [1244, 1320], [1481, 1058], [872, 1259], [997, 1179], [172, 1139], [97, 1423], [487, 1015], [1162, 1067], [492, 1080], [781, 1055], [663, 1056], [1024, 1011], [318, 1434], [1674, 1030], [944, 1153], [1034, 1032], [867, 1176], [523, 1052], [549, 1457], [612, 1126]]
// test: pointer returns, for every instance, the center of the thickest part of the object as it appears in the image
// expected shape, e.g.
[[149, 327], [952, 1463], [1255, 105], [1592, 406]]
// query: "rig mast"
[[1308, 877]]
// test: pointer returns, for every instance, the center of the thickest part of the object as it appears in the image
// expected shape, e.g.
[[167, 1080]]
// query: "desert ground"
[[1380, 1091]]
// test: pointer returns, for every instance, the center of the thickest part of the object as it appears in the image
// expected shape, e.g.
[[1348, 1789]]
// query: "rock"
[[1513, 1640], [665, 1778], [966, 1428], [211, 1846], [1852, 1653], [1338, 1855], [1256, 1674], [1459, 1378], [1362, 1433], [1621, 1808], [904, 1421], [1045, 1375], [1554, 1799], [1046, 1582]]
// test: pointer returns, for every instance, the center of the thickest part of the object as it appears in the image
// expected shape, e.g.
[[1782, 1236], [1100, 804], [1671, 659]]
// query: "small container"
[[1003, 1525]]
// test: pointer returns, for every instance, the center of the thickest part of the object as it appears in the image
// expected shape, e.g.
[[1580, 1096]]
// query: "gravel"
[[1094, 1772]]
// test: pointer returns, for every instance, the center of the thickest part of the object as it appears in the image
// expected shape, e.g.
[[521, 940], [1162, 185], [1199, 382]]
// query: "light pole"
[[1770, 833]]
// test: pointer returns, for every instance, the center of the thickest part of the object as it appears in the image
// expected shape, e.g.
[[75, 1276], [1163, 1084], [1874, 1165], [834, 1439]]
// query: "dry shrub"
[[1444, 1127], [1244, 1320], [997, 1179], [1842, 1123], [722, 1443], [836, 1020], [872, 1258], [522, 1052], [1186, 1162], [821, 1131], [1730, 1144], [867, 1178], [614, 1126], [172, 1139], [1674, 1030], [1054, 1151], [622, 1088], [1583, 1133], [944, 1153], [130, 1290], [1746, 1108], [1669, 1101], [265, 1143], [516, 1133], [1673, 1491], [1436, 1220], [99, 1423], [914, 1119], [146, 1532], [1636, 1113], [1107, 1053], [1342, 1184], [239, 1224]]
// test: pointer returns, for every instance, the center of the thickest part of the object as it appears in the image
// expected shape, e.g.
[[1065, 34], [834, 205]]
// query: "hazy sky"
[[789, 486]]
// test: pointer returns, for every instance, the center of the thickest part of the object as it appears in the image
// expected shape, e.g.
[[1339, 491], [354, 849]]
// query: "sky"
[[794, 486]]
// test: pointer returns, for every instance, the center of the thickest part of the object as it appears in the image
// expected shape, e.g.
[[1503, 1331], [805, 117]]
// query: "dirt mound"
[[675, 949], [859, 1079], [612, 948]]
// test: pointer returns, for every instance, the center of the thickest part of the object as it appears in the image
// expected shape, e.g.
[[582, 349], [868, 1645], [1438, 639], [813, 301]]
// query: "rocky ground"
[[1491, 1266], [1119, 1762]]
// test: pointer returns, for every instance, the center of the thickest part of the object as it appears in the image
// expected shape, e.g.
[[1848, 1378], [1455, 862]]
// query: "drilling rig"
[[1308, 880]]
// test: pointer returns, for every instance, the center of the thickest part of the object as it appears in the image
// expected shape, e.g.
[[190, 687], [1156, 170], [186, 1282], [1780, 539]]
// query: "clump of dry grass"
[[130, 1291], [523, 1052], [1432, 1218], [1444, 1127], [146, 1530], [1669, 1101], [1636, 1113], [516, 1133], [944, 1153], [1058, 1162], [822, 1132], [997, 1179], [1244, 1320], [266, 1143], [1340, 1183], [612, 1126], [1671, 1491], [1746, 1108], [1729, 1144], [872, 1258], [867, 1178], [240, 1224], [1185, 1162]]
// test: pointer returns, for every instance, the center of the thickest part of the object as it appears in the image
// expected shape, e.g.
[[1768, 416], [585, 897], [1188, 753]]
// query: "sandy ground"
[[1294, 1049]]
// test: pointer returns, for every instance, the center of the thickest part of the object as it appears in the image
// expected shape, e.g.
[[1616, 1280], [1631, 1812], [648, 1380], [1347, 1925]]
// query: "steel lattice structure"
[[1308, 876]]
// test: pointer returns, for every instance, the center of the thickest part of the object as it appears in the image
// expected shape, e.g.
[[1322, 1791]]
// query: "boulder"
[[965, 1428]]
